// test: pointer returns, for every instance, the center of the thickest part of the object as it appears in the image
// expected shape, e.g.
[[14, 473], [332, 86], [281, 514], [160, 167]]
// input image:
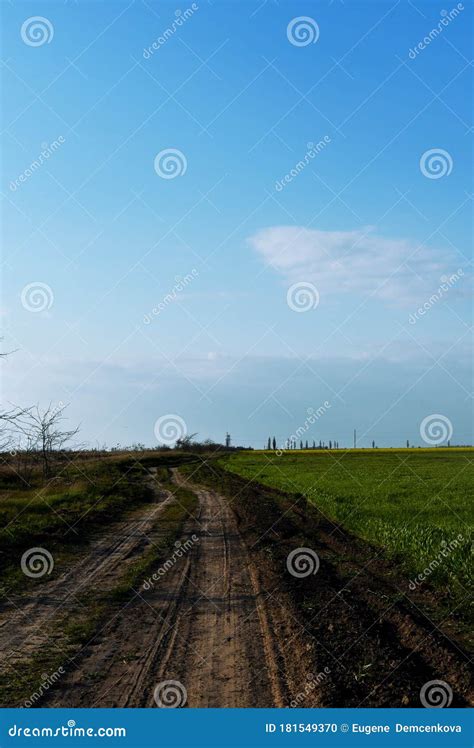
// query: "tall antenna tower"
[[355, 438]]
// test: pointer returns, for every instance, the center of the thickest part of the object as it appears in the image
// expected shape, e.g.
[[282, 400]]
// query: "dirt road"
[[206, 625], [220, 624], [25, 622]]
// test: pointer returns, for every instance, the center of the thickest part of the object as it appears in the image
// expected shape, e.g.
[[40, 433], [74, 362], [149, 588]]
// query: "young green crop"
[[415, 504]]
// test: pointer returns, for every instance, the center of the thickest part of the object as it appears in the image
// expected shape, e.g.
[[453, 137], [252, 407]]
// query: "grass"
[[414, 504], [72, 631], [171, 521], [61, 514]]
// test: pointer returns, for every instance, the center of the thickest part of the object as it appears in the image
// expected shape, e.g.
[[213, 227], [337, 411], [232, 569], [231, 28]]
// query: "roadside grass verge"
[[77, 627], [61, 515], [171, 522]]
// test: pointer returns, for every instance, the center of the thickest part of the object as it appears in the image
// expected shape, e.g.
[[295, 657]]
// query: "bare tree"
[[6, 439], [45, 435], [27, 432], [11, 425], [6, 353], [185, 442], [7, 419]]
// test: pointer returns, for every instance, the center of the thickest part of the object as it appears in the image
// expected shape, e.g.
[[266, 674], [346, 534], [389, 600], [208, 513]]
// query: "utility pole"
[[355, 438]]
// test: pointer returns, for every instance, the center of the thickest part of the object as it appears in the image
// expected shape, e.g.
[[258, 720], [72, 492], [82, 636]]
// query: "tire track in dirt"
[[373, 640], [227, 622], [206, 623], [220, 650], [24, 621]]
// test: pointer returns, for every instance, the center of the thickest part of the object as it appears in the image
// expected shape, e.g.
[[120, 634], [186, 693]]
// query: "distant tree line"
[[292, 443]]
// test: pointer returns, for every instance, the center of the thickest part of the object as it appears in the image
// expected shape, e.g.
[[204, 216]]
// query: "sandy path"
[[218, 627], [25, 623], [205, 624], [220, 646]]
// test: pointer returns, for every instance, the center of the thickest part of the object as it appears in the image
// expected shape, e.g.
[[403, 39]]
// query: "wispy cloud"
[[254, 395], [359, 261]]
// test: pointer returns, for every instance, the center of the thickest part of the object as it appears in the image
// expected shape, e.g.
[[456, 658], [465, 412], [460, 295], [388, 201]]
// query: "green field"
[[415, 504]]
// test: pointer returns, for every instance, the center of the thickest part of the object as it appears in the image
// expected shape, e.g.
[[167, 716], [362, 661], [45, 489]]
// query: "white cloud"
[[359, 261]]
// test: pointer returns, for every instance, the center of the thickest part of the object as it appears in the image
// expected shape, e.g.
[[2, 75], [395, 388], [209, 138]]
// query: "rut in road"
[[206, 623], [26, 623]]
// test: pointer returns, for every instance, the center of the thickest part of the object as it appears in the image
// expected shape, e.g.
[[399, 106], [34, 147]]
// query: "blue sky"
[[367, 220]]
